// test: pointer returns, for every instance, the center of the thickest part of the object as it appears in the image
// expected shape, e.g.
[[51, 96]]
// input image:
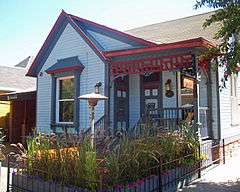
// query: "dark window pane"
[[66, 89], [66, 111]]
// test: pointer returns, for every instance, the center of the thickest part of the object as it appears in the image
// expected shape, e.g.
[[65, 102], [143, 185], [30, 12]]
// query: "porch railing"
[[169, 119]]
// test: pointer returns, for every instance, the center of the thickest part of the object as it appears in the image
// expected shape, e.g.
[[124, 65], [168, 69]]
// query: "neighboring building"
[[19, 92], [153, 70]]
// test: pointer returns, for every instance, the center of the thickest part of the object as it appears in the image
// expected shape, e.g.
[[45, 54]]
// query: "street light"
[[93, 99]]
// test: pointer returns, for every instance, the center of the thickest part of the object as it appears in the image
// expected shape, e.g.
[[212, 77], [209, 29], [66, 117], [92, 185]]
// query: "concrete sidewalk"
[[3, 179], [223, 178]]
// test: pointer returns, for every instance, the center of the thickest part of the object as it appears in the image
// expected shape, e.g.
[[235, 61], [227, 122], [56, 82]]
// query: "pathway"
[[223, 178]]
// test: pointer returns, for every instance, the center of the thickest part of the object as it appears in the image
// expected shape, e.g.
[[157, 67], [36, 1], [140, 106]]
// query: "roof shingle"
[[178, 30]]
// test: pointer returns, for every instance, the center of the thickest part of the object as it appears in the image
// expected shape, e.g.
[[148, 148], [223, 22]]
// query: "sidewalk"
[[3, 179], [223, 178]]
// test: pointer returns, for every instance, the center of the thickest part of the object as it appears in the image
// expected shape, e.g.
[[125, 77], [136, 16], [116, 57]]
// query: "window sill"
[[65, 125]]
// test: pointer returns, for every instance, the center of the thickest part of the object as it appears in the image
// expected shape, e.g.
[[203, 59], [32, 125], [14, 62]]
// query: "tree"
[[228, 15]]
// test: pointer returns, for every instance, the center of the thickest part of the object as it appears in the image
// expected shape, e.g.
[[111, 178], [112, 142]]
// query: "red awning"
[[152, 64]]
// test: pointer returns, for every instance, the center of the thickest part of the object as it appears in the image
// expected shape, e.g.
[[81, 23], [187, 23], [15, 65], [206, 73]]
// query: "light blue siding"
[[172, 101], [70, 44], [227, 129], [109, 43], [203, 96], [215, 109], [134, 99]]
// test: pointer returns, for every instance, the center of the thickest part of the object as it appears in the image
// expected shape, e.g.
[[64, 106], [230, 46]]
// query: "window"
[[65, 100]]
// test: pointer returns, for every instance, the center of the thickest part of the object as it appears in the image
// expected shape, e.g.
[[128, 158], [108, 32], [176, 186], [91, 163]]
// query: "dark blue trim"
[[76, 101], [53, 102], [76, 75], [85, 27], [99, 46], [66, 62], [52, 42]]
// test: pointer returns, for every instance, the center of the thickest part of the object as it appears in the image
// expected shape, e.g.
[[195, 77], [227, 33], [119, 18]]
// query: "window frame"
[[57, 110]]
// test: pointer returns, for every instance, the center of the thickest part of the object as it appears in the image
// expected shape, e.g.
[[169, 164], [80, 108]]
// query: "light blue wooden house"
[[152, 70]]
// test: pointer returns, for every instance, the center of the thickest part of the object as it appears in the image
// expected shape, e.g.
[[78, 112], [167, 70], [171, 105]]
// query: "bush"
[[72, 160], [2, 146]]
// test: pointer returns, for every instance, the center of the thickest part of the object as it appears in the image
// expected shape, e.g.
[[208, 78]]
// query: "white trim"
[[66, 77], [58, 100]]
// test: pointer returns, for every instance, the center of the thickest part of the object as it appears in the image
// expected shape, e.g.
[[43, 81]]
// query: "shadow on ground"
[[213, 187]]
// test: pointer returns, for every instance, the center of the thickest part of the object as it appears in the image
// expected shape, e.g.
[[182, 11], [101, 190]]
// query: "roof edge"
[[63, 15], [131, 37], [34, 63], [190, 43]]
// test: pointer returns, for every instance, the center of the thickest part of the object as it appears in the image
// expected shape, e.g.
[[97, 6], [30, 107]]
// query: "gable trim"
[[87, 40], [45, 51], [119, 33], [32, 69]]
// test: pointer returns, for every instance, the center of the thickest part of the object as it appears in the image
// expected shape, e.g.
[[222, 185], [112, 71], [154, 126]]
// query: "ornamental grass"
[[114, 161]]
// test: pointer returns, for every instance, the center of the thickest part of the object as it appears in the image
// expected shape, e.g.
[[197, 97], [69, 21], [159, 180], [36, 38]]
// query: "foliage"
[[73, 161], [2, 146], [227, 16]]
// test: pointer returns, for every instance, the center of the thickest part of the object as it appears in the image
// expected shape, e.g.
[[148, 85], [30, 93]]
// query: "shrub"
[[2, 146], [72, 160]]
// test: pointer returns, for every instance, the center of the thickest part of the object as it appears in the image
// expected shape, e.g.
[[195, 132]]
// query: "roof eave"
[[191, 43], [131, 37], [63, 14]]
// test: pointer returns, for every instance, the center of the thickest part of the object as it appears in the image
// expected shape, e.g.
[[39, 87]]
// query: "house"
[[153, 70], [19, 93]]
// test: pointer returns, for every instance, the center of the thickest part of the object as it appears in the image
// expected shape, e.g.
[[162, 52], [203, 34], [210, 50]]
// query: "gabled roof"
[[13, 79], [86, 25], [81, 26], [25, 63], [178, 30]]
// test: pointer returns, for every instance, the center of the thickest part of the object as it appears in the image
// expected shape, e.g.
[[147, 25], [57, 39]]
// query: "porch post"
[[209, 101], [196, 96], [107, 93]]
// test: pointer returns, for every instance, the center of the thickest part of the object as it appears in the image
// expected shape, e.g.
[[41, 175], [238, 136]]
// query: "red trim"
[[48, 39], [64, 69], [153, 64], [79, 30], [45, 44], [192, 43], [140, 40]]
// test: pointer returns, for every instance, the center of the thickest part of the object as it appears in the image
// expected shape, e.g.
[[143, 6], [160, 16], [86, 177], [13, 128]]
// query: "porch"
[[165, 87]]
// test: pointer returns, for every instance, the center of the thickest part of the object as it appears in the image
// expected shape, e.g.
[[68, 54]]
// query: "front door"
[[151, 93], [121, 100]]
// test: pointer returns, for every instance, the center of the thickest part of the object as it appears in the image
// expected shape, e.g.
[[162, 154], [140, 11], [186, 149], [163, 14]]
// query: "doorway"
[[151, 93], [121, 103]]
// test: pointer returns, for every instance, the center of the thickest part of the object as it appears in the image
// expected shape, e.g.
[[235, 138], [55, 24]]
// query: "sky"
[[25, 24]]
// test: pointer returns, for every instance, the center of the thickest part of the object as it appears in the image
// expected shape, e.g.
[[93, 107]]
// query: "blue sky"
[[24, 24]]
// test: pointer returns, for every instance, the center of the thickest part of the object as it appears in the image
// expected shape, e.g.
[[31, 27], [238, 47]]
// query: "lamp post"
[[93, 99]]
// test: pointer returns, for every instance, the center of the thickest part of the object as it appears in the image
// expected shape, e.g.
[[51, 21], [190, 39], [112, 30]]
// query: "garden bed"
[[170, 181], [168, 160]]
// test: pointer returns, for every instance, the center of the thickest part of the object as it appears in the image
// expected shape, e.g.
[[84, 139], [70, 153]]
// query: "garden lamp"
[[93, 99]]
